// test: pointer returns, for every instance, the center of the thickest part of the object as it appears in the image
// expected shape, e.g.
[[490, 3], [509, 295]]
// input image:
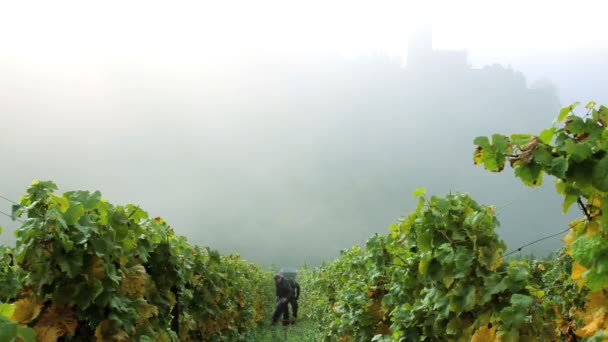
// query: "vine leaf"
[[595, 313], [485, 334], [106, 331], [56, 322], [564, 112], [599, 174], [577, 273], [26, 310], [134, 281], [418, 192]]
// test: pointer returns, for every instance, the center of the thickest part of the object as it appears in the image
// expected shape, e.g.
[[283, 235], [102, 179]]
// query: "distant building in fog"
[[422, 57], [452, 69]]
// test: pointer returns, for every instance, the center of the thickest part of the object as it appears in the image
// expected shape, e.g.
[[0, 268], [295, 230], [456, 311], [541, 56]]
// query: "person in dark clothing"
[[294, 300], [285, 294]]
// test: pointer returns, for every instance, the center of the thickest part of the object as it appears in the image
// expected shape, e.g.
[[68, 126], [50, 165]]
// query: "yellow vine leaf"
[[95, 269], [134, 281], [375, 308], [567, 240], [578, 225], [170, 298], [577, 273], [105, 332], [55, 322], [145, 310], [26, 309], [345, 338], [593, 228], [592, 326], [596, 204], [485, 334], [577, 270], [478, 155], [383, 329], [597, 300], [491, 259], [595, 315], [122, 260]]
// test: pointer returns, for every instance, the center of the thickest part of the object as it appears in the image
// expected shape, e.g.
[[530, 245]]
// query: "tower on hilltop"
[[420, 48], [422, 57]]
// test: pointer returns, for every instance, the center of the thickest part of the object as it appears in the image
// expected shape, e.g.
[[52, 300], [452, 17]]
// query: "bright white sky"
[[191, 32]]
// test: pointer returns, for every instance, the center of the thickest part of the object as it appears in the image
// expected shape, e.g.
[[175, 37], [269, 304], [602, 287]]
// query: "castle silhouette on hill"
[[441, 68], [421, 54]]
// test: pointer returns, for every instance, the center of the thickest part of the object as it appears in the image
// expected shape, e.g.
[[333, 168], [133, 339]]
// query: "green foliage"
[[9, 286], [10, 275], [561, 297], [95, 271], [438, 275], [575, 151]]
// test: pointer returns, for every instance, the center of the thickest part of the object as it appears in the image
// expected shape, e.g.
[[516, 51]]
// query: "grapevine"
[[575, 151], [97, 271]]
